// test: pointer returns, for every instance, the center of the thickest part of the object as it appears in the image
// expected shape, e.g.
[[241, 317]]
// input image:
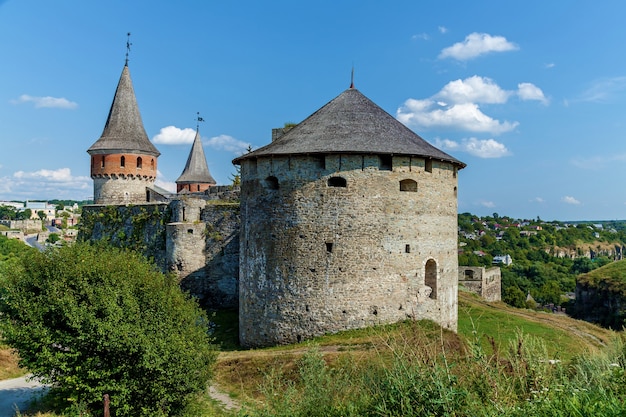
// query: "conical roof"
[[196, 170], [351, 124], [124, 131]]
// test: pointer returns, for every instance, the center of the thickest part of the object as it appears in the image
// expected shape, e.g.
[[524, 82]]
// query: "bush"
[[93, 320]]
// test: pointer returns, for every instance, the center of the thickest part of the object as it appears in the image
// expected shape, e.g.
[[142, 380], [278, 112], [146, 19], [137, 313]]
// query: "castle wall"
[[23, 225], [317, 258], [120, 189], [198, 239], [487, 283], [202, 247], [139, 227]]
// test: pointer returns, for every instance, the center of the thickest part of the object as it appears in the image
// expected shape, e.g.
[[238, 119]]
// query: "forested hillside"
[[546, 256]]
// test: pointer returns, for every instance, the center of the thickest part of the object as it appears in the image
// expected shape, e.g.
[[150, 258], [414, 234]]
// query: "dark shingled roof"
[[196, 169], [124, 131], [351, 124]]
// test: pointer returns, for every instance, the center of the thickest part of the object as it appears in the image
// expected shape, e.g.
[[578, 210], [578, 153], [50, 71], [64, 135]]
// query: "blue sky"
[[531, 95]]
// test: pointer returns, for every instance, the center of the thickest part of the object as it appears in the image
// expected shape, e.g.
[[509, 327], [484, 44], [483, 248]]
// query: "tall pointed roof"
[[351, 124], [196, 170], [124, 131]]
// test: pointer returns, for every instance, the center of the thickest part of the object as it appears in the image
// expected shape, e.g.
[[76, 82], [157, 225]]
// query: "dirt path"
[[222, 398], [16, 393]]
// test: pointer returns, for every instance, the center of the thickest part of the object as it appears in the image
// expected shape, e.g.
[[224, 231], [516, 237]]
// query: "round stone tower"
[[348, 220], [123, 160]]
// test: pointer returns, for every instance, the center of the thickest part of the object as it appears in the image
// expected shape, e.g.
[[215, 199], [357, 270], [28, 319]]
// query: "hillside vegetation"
[[546, 256], [499, 359]]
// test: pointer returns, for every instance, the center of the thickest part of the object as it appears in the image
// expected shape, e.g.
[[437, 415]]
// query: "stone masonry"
[[485, 282], [341, 244]]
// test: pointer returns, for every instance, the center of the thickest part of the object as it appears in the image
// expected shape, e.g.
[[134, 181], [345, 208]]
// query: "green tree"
[[53, 238], [41, 214], [23, 215], [515, 297], [93, 320]]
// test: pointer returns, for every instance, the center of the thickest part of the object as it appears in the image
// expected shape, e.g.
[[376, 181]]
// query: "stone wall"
[[13, 234], [345, 242], [23, 225], [198, 239], [487, 283], [203, 249], [120, 189], [139, 227]]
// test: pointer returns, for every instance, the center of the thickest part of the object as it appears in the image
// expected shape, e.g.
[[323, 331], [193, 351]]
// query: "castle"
[[348, 219]]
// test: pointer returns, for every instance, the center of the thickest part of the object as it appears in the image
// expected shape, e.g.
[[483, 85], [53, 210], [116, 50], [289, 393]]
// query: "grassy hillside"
[[612, 276], [500, 355], [244, 374]]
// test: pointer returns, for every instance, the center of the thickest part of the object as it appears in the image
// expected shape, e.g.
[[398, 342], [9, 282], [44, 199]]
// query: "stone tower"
[[123, 160], [347, 220], [196, 177]]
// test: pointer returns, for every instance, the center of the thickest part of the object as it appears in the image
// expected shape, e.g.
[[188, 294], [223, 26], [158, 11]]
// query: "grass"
[[564, 337], [499, 354], [8, 364]]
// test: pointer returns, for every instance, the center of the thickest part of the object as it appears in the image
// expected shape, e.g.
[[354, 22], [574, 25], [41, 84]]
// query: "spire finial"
[[128, 44], [352, 77], [198, 120]]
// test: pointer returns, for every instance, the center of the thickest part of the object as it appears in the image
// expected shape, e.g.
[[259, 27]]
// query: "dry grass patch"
[[8, 364]]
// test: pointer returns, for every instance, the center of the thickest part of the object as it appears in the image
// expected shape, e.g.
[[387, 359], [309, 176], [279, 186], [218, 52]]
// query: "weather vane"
[[128, 44], [352, 77], [198, 120]]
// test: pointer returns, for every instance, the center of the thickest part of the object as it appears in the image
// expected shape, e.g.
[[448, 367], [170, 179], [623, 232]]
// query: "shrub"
[[93, 320]]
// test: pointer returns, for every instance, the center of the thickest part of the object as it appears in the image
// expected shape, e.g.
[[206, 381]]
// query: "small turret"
[[196, 176]]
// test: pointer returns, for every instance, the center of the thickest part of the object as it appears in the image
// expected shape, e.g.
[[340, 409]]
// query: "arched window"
[[139, 162], [337, 182], [430, 277], [455, 192], [271, 183], [123, 161], [152, 163], [408, 185], [102, 162]]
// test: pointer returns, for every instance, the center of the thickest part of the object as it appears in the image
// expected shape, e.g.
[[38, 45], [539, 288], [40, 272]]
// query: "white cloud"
[[537, 200], [528, 91], [46, 184], [486, 148], [474, 89], [570, 200], [442, 29], [464, 116], [162, 182], [488, 204], [476, 44], [456, 106], [58, 175], [172, 135], [602, 90], [49, 102], [228, 143], [550, 65], [421, 36]]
